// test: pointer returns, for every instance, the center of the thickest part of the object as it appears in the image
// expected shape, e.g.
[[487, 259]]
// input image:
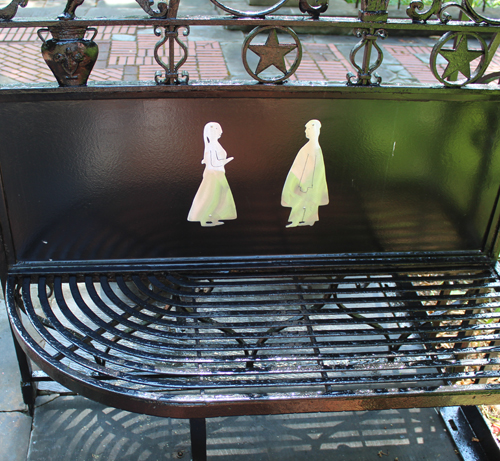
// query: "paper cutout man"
[[214, 201], [305, 187]]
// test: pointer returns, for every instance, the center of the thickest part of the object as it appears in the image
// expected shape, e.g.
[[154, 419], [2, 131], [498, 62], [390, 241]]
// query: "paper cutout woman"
[[214, 200], [305, 187]]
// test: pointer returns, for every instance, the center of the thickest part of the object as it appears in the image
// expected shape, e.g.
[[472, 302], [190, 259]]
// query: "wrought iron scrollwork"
[[459, 59], [165, 10], [249, 14], [171, 34], [8, 12], [366, 70], [492, 48], [466, 8], [440, 10], [412, 12], [272, 53], [69, 11], [315, 10]]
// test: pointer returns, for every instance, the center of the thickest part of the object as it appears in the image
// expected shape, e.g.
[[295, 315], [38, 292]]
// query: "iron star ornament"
[[460, 58], [272, 53]]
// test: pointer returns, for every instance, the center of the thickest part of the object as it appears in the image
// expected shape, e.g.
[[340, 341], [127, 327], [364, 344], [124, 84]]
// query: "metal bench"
[[356, 264]]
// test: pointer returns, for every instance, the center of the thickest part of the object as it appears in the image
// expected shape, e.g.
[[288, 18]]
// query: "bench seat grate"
[[200, 344]]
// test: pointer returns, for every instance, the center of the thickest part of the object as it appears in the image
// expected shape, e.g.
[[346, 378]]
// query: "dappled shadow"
[[78, 429]]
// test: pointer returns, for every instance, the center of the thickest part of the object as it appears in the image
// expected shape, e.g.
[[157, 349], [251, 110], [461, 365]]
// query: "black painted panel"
[[114, 179]]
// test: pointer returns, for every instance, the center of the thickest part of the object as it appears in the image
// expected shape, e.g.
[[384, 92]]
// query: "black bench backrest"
[[101, 175]]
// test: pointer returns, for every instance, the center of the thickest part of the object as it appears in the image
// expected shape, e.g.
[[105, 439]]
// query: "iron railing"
[[467, 45]]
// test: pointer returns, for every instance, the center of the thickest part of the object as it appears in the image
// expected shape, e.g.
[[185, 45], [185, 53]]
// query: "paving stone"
[[77, 429], [215, 33], [15, 429]]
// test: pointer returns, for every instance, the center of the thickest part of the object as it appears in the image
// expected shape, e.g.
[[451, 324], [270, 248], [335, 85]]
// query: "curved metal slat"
[[121, 336]]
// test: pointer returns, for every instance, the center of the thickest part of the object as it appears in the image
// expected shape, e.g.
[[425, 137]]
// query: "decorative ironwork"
[[165, 10], [492, 48], [459, 59], [374, 10], [411, 11], [8, 12], [366, 70], [69, 55], [249, 14], [69, 11], [171, 34], [272, 53], [314, 11], [468, 9], [372, 23]]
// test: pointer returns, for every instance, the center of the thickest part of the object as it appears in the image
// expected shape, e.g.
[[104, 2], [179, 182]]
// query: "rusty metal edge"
[[243, 89], [290, 21]]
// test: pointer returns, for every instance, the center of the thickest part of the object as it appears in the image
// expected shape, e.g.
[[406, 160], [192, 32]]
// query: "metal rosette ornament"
[[274, 53], [459, 58]]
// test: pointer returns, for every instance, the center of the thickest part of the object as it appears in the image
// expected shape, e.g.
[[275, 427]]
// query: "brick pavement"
[[127, 53]]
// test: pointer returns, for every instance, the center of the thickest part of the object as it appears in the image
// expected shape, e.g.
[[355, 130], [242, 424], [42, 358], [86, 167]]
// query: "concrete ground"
[[73, 428]]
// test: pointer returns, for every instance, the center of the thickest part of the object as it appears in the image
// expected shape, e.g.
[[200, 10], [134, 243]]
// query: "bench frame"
[[320, 290]]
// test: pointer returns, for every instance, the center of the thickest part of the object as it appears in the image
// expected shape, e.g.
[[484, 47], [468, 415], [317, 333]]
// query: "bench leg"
[[28, 388], [198, 427]]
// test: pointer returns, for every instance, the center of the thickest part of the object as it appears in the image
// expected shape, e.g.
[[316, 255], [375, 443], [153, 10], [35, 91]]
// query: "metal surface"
[[69, 55], [273, 341], [471, 433], [198, 429], [8, 12], [272, 53], [124, 174]]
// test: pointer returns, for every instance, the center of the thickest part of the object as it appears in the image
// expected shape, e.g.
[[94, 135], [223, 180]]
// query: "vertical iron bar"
[[171, 57], [366, 58], [198, 429]]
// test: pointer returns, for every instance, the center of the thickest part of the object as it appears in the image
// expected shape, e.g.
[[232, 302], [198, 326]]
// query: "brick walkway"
[[127, 53]]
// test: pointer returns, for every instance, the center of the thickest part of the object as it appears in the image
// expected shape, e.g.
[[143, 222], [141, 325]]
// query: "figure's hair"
[[314, 122], [209, 132]]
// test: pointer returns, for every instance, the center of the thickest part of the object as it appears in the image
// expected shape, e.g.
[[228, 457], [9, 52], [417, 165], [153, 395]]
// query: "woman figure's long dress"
[[305, 187], [213, 201]]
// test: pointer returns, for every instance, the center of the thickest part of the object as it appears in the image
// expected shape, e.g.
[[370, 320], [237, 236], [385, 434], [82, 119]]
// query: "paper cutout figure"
[[214, 200], [305, 187]]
